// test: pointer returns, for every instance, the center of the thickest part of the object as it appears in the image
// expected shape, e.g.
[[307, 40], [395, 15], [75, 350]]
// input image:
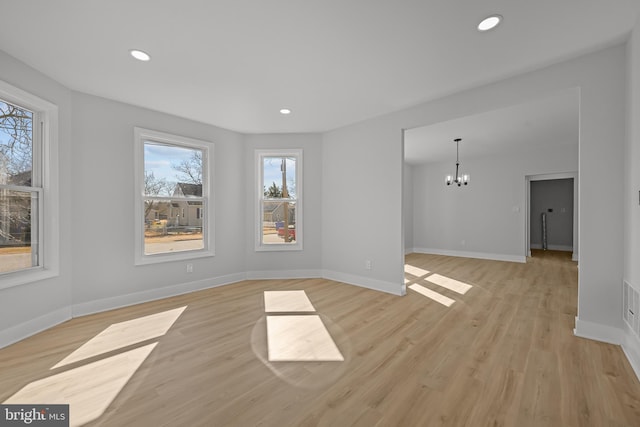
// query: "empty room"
[[320, 214]]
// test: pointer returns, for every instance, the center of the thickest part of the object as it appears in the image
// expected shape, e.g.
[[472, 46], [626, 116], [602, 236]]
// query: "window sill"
[[17, 278], [279, 247], [174, 256]]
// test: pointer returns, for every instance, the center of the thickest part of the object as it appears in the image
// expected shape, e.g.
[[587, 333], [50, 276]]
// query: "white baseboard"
[[283, 274], [19, 332], [598, 332], [365, 282], [574, 254], [625, 338], [478, 255], [631, 348], [564, 248], [23, 330], [111, 303]]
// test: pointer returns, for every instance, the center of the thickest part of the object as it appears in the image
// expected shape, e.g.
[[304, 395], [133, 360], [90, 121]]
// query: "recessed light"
[[285, 111], [489, 23], [140, 55]]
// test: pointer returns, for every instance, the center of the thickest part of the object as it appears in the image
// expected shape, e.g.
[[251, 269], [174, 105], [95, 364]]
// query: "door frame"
[[576, 216]]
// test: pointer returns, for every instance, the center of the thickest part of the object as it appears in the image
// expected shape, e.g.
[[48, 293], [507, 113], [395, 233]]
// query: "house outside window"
[[279, 200], [28, 187], [173, 180]]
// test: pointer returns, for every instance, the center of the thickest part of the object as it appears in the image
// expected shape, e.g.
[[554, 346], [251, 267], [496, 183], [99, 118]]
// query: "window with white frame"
[[173, 199], [279, 204], [28, 187]]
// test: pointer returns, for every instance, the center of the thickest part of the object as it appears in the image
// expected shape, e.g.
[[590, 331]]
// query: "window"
[[28, 187], [172, 195], [279, 206]]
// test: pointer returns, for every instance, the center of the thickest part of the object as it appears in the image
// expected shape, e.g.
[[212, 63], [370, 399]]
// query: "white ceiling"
[[235, 63], [548, 121]]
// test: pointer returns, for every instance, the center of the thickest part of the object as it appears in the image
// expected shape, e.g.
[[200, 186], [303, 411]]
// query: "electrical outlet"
[[367, 264], [189, 268]]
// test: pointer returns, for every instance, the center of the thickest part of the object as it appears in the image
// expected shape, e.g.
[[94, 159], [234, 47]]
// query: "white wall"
[[632, 165], [362, 205], [632, 186], [407, 201], [365, 159], [304, 263], [487, 218], [104, 274], [29, 308]]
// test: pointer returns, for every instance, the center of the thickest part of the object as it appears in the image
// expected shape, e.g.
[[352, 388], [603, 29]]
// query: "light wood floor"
[[503, 354]]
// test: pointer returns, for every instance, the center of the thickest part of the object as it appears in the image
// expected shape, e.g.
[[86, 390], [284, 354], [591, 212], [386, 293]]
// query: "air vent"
[[631, 307]]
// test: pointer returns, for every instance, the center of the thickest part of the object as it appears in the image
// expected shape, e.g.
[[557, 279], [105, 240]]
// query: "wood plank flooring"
[[503, 354]]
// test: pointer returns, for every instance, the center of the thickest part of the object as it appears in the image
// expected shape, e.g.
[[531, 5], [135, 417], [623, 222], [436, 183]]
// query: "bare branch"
[[154, 187], [190, 170], [16, 138]]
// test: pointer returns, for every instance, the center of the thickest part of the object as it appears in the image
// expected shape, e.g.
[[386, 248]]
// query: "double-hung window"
[[173, 197], [279, 200], [28, 187]]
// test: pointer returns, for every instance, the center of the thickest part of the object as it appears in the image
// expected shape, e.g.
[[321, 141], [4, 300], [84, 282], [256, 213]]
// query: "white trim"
[[365, 282], [19, 332], [631, 348], [258, 216], [31, 327], [161, 258], [598, 332], [49, 215], [478, 255], [545, 177], [631, 343], [625, 338], [563, 248], [100, 305], [141, 136], [284, 274]]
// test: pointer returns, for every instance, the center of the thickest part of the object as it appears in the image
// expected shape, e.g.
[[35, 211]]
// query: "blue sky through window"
[[272, 173], [159, 159], [16, 148]]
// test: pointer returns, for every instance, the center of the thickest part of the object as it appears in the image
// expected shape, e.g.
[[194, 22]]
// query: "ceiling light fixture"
[[459, 179], [140, 55], [285, 111], [489, 23]]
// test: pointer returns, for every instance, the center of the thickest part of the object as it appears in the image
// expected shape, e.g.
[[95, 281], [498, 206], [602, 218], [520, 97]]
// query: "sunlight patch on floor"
[[451, 284], [300, 338], [415, 271], [123, 334], [88, 389], [439, 298], [287, 302]]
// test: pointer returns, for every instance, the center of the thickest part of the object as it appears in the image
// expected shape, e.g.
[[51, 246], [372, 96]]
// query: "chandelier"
[[457, 178]]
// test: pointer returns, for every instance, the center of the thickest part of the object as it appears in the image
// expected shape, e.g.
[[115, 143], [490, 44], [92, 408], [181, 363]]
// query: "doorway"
[[552, 213]]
